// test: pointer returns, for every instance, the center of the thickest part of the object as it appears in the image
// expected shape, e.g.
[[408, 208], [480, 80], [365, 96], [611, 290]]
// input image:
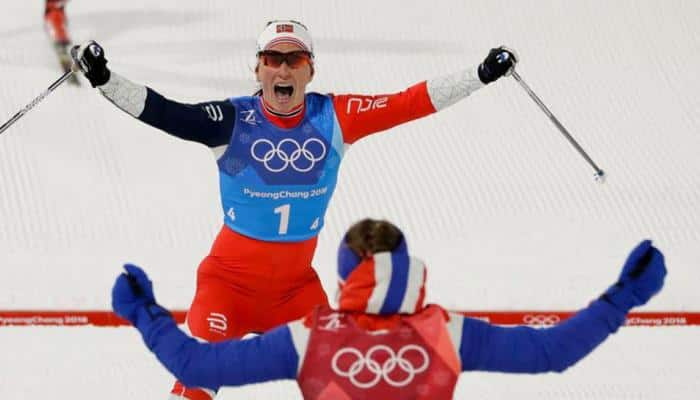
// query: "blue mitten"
[[132, 296], [641, 278]]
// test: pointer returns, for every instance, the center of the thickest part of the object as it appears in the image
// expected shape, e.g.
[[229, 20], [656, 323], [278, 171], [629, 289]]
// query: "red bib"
[[416, 359]]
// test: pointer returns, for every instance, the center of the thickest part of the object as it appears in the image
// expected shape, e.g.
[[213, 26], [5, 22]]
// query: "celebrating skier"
[[278, 157], [382, 342]]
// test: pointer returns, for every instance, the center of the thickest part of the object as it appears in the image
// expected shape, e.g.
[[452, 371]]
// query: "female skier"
[[278, 157]]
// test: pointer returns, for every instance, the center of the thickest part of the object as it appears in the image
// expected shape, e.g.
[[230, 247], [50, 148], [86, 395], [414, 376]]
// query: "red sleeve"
[[361, 115]]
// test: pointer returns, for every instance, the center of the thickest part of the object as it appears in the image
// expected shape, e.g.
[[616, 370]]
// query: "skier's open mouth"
[[283, 93]]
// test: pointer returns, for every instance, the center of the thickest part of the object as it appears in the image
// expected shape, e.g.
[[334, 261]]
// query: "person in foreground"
[[382, 342]]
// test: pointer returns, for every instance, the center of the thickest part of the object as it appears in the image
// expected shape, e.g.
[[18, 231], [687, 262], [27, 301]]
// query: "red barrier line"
[[544, 318], [531, 318]]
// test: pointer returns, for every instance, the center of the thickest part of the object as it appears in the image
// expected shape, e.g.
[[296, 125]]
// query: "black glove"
[[641, 278], [90, 57], [498, 63]]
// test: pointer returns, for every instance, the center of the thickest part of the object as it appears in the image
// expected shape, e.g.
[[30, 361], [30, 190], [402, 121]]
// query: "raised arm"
[[486, 347], [360, 115], [209, 123], [271, 356]]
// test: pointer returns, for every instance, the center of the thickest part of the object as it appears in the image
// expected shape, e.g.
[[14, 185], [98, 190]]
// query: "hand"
[[498, 63], [132, 291], [90, 58], [641, 278]]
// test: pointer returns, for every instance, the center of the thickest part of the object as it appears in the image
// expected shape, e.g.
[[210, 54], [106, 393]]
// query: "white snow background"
[[488, 192]]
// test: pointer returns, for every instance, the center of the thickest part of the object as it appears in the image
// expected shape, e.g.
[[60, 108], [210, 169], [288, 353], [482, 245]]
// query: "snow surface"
[[488, 192]]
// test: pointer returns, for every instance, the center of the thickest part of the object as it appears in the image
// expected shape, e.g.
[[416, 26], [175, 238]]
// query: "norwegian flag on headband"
[[285, 28]]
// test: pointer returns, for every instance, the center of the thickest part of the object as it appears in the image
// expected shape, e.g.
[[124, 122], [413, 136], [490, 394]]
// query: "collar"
[[283, 120]]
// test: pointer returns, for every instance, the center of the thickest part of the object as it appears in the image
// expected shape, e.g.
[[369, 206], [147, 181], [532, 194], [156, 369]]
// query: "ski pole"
[[36, 101], [599, 173]]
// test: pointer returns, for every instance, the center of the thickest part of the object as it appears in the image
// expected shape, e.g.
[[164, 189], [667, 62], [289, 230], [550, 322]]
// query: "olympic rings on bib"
[[381, 371], [270, 152]]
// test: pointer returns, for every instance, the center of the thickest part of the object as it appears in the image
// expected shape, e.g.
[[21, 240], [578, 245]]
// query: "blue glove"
[[132, 297], [641, 278]]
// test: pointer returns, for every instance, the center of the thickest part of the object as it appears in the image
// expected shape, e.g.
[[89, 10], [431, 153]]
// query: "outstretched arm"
[[208, 123], [267, 357], [486, 347], [231, 363], [360, 115]]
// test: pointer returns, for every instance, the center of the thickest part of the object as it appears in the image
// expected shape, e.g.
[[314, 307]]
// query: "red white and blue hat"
[[384, 283], [285, 31]]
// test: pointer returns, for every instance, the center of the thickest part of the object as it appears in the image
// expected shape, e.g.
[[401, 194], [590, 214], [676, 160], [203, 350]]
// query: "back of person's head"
[[376, 275], [371, 236]]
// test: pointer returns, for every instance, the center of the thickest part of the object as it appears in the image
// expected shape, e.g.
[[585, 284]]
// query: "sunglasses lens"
[[297, 59], [294, 59], [273, 60]]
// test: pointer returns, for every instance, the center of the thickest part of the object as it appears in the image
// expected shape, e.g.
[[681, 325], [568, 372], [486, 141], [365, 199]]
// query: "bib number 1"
[[283, 211]]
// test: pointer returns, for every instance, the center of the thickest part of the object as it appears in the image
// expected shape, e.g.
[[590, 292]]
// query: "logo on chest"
[[297, 159], [288, 153], [248, 116]]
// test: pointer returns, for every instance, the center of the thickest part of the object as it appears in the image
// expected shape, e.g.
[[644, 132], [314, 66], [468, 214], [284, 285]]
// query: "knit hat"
[[385, 283]]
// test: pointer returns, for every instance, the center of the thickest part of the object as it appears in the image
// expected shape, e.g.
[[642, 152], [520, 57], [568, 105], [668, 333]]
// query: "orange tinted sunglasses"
[[294, 59]]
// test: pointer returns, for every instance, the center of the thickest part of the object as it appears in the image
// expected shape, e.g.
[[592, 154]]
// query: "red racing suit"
[[250, 285]]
